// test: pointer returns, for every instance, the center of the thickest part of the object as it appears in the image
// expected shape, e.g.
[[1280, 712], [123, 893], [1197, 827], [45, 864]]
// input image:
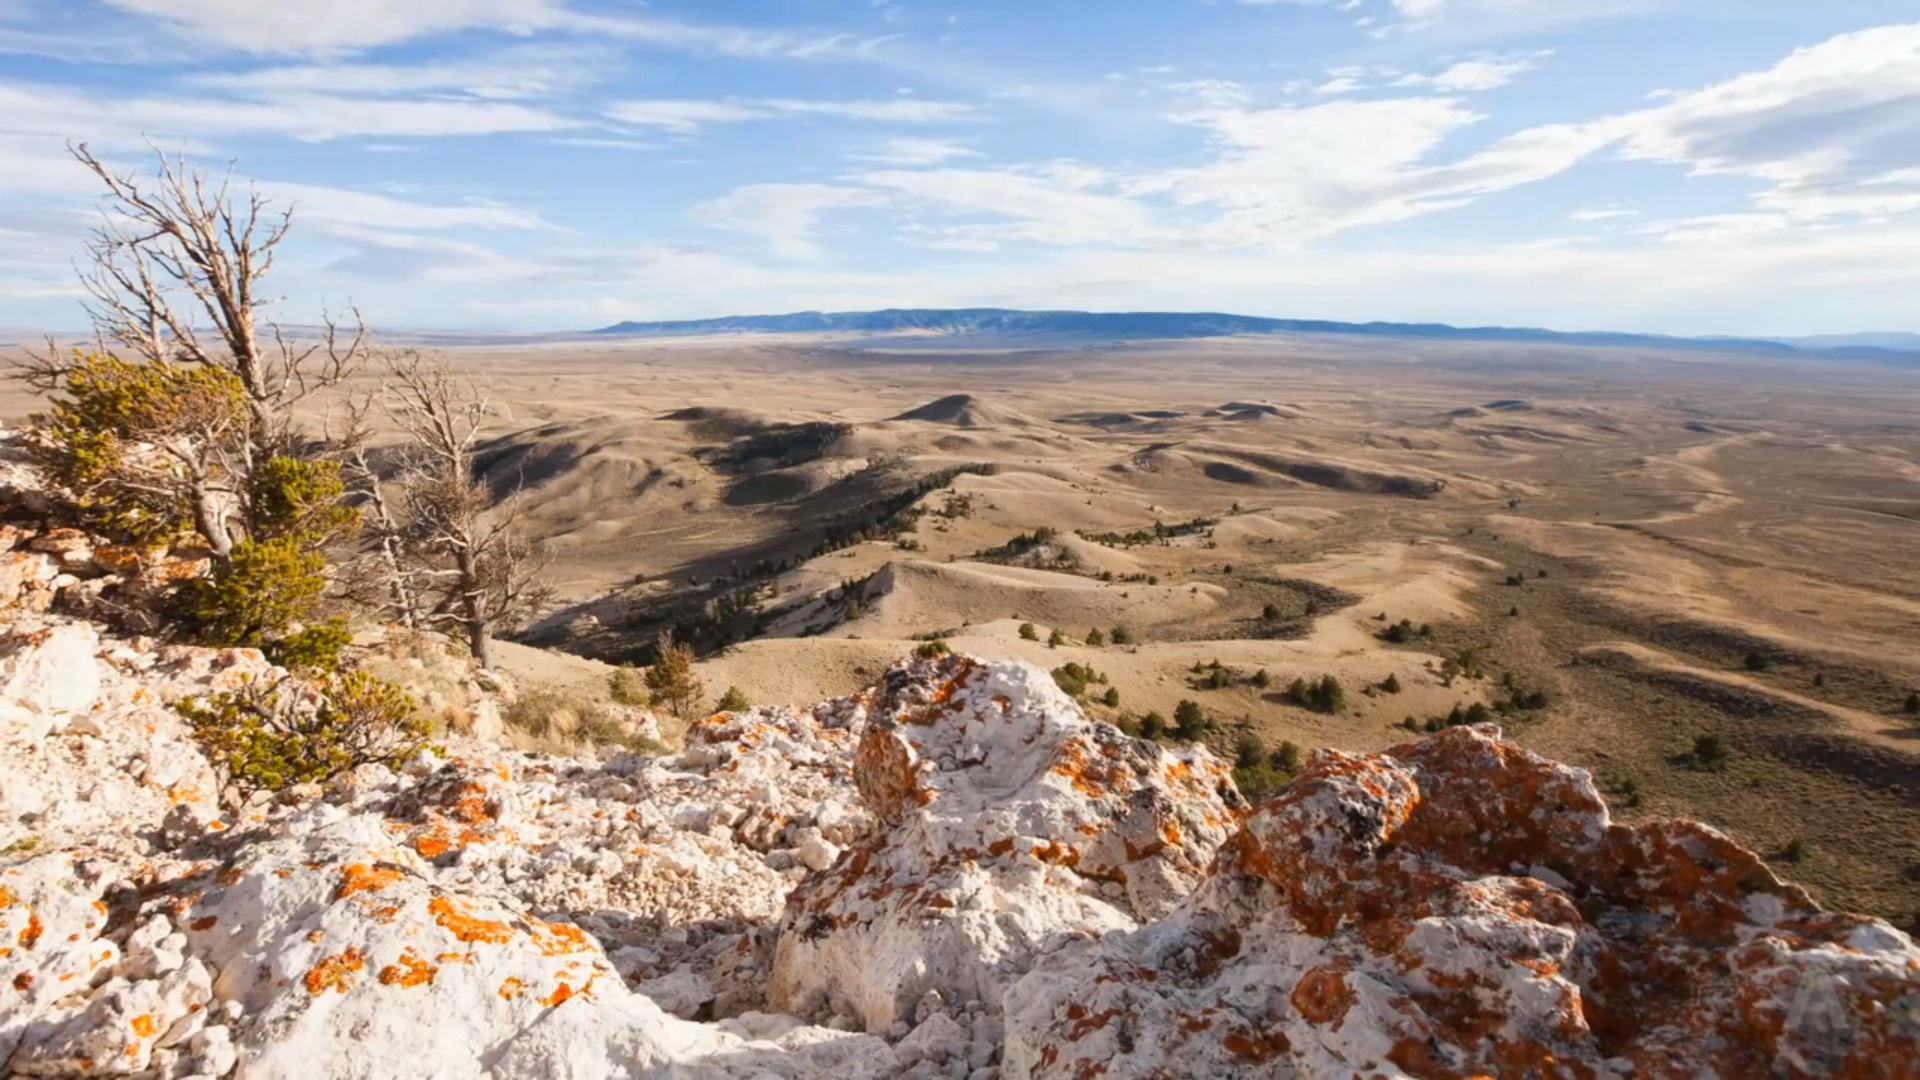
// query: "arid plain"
[[1617, 551]]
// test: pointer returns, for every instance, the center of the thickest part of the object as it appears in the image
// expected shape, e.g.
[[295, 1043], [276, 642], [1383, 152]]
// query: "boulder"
[[1008, 823], [1462, 907]]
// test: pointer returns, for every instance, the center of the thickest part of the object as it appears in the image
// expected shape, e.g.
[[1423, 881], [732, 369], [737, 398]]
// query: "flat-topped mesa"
[[1007, 821], [1461, 907]]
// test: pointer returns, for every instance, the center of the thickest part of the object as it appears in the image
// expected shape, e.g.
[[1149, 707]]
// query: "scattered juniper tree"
[[1191, 722], [180, 422], [671, 682], [1710, 754]]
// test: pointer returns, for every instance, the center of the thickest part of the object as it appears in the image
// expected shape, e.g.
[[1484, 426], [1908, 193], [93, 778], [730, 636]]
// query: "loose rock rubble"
[[952, 874]]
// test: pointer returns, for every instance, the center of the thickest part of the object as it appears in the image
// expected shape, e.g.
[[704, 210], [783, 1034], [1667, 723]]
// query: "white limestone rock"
[[51, 674], [53, 955], [1006, 814], [351, 962]]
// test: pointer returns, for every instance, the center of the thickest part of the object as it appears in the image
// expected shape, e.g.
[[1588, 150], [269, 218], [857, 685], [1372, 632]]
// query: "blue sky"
[[1683, 166]]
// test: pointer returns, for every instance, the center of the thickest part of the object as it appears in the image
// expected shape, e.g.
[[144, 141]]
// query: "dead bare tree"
[[174, 280], [391, 581], [176, 255], [467, 561]]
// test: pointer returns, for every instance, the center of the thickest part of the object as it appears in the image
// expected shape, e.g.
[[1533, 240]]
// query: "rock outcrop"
[[1460, 907], [1007, 822], [952, 874]]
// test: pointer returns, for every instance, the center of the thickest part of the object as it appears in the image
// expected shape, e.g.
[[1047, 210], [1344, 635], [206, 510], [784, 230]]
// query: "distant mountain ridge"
[[959, 322]]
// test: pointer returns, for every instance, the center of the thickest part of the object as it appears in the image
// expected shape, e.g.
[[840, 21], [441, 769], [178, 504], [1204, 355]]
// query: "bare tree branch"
[[175, 258], [470, 561]]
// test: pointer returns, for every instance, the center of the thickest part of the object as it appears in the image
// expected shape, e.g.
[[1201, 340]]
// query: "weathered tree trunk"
[[473, 607], [399, 589], [210, 521], [480, 641], [401, 595]]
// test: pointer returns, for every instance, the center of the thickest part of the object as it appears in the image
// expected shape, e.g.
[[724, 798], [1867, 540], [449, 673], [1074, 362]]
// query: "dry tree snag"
[[174, 285], [177, 255], [455, 560]]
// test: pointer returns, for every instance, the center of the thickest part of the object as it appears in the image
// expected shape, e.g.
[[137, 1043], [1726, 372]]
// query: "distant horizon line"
[[1174, 325], [1909, 340]]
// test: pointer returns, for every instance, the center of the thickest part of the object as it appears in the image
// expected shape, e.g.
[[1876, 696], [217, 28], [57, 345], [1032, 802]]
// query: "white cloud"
[[1283, 175], [787, 216], [1469, 19], [1476, 74], [295, 26], [686, 116], [333, 206], [1339, 84], [1588, 214], [1429, 12], [1211, 93], [1343, 5], [918, 152], [378, 254], [27, 109], [898, 110], [1835, 127], [1063, 203], [328, 27], [530, 72]]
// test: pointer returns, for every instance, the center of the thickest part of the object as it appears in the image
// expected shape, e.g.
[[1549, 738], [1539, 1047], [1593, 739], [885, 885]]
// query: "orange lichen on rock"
[[357, 878], [1322, 996], [1056, 853], [334, 972], [145, 1026], [410, 970], [1470, 906], [511, 989], [886, 770], [561, 939], [29, 935], [1257, 1048], [465, 927], [433, 843], [203, 924], [1073, 762]]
